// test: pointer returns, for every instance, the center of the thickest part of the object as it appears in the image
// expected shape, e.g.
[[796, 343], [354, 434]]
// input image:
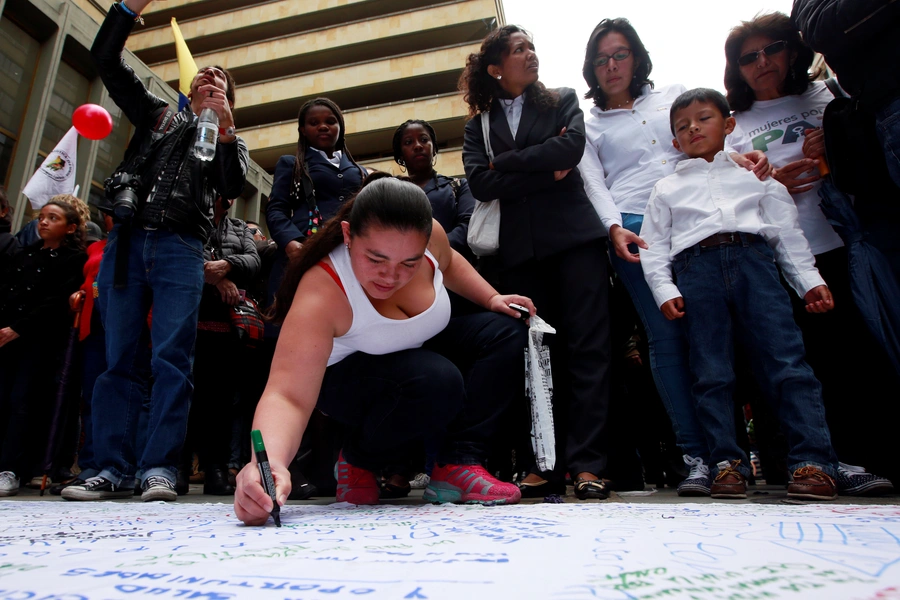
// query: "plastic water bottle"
[[207, 135]]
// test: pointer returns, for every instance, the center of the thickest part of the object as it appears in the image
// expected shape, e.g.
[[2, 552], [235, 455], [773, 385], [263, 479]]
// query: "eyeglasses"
[[253, 230], [770, 50], [619, 55]]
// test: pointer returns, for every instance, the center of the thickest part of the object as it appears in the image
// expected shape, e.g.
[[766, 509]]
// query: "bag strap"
[[835, 88], [454, 185], [165, 120], [486, 132]]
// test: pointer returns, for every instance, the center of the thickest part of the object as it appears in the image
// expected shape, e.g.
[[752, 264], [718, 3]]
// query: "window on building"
[[18, 60], [70, 90]]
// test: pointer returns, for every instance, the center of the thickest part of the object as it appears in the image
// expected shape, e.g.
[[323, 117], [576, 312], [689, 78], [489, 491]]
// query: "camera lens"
[[125, 204]]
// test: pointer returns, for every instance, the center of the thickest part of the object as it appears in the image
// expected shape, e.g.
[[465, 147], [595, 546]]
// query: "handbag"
[[247, 323], [484, 225]]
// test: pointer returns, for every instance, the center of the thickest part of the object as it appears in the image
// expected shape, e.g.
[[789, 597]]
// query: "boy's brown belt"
[[729, 238]]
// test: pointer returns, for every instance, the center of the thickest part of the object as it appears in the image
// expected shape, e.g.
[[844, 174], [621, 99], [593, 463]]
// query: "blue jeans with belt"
[[733, 292], [668, 351], [165, 271]]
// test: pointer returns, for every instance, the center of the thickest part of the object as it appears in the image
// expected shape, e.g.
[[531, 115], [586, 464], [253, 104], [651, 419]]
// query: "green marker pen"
[[265, 473]]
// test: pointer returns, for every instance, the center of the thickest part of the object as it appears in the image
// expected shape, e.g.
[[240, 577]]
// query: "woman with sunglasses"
[[629, 148], [779, 111]]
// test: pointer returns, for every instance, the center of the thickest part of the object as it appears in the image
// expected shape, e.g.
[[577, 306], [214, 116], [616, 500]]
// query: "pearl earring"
[[498, 77]]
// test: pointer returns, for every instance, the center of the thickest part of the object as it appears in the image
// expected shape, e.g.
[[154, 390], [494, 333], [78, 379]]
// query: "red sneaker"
[[355, 485], [469, 484]]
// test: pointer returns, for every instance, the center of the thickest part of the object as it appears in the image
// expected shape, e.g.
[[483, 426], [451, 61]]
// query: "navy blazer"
[[452, 209], [332, 186], [288, 222], [539, 217]]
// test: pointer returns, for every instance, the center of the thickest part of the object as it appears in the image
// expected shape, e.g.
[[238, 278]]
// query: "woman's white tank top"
[[373, 333]]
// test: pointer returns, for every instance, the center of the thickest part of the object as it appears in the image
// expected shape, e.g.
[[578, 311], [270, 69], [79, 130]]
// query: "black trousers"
[[27, 391], [218, 374], [571, 292], [855, 373], [453, 389]]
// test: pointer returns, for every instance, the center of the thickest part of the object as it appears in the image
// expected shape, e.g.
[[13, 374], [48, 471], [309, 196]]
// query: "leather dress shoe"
[[215, 482], [182, 482], [811, 483], [57, 489], [729, 482]]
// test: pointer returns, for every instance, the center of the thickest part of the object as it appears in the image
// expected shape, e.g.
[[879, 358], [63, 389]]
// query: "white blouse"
[[627, 152]]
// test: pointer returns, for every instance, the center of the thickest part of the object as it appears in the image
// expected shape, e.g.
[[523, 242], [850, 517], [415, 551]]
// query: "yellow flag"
[[186, 65]]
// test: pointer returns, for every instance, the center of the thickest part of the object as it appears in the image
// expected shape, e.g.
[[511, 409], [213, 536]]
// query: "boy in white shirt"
[[720, 230]]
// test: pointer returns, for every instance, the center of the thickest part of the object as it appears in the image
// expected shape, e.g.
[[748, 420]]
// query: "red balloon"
[[92, 121]]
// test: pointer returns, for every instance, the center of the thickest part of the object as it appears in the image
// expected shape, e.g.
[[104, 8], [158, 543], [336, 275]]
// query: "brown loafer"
[[811, 483], [729, 483]]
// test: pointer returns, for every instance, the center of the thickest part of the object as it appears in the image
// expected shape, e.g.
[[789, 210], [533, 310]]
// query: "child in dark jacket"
[[34, 322]]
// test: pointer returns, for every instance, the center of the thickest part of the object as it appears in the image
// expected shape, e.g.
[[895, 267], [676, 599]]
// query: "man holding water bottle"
[[161, 197]]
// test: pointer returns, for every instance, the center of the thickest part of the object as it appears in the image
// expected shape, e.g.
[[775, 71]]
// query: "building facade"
[[382, 61]]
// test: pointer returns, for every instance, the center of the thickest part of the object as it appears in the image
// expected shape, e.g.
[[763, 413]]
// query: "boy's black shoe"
[[729, 483], [96, 488]]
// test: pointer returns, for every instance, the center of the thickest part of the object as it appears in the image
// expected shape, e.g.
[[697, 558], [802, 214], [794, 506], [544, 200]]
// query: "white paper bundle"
[[539, 388]]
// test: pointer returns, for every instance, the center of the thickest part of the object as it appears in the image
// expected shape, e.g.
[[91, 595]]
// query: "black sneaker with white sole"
[[157, 487], [855, 481], [96, 488], [697, 481]]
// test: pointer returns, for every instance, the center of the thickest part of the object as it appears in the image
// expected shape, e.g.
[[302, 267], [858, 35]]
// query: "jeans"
[[165, 271], [734, 292], [887, 125], [668, 351], [455, 389], [93, 353]]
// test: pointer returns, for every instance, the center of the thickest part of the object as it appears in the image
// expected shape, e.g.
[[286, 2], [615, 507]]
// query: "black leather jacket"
[[859, 41], [189, 206]]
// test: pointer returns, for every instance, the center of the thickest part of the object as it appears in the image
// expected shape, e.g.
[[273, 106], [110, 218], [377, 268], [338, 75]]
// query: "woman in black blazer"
[[310, 186], [551, 239]]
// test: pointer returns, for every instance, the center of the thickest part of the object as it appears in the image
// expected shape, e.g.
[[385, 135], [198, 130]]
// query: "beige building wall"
[[47, 73], [382, 61]]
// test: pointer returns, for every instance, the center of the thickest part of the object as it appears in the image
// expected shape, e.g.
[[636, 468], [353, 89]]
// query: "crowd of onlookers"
[[710, 325]]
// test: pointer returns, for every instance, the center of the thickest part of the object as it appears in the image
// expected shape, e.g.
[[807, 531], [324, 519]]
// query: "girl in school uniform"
[[311, 186]]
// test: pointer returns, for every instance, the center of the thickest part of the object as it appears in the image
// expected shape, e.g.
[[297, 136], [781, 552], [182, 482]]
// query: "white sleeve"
[[738, 141], [595, 186], [792, 251], [656, 231]]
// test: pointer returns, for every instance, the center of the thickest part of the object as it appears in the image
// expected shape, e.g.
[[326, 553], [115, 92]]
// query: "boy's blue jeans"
[[165, 270], [668, 351], [733, 293]]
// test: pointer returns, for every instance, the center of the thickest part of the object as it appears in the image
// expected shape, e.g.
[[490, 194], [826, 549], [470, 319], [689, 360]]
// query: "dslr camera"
[[123, 190]]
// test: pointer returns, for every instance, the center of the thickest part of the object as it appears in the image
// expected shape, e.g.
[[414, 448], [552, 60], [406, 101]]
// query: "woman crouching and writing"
[[367, 338]]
